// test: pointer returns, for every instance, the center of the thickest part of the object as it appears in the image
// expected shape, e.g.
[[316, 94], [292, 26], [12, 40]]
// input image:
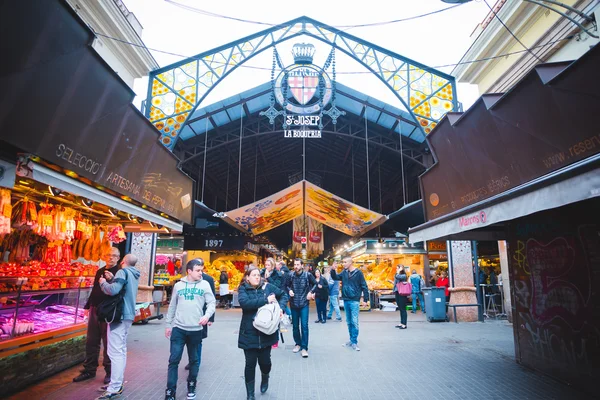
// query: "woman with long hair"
[[401, 301], [254, 293], [322, 296]]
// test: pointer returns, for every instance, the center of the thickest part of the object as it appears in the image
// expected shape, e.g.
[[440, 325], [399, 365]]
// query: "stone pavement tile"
[[426, 361]]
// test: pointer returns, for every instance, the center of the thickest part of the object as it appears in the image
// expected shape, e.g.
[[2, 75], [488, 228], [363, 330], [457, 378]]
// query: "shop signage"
[[436, 246], [169, 243], [217, 243], [388, 244], [253, 247], [473, 220], [87, 125], [494, 149]]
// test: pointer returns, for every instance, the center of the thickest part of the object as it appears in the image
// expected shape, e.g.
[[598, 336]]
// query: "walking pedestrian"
[[321, 296], [199, 262], [300, 287], [334, 291], [254, 293], [97, 330], [443, 281], [185, 321], [417, 283], [224, 288], [353, 285], [401, 301], [128, 276], [281, 267], [285, 273], [274, 277]]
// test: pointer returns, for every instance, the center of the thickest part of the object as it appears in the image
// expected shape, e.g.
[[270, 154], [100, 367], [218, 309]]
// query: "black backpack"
[[110, 310]]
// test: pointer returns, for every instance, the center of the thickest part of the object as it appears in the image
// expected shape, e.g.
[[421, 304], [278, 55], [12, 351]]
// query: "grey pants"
[[96, 332], [117, 350]]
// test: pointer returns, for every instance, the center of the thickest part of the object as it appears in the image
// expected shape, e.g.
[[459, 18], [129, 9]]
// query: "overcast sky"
[[434, 40]]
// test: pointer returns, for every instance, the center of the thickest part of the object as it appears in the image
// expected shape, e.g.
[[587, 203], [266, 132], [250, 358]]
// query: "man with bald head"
[[96, 330], [127, 277]]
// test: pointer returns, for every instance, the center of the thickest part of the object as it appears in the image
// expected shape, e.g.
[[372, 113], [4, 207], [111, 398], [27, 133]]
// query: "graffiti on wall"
[[555, 270]]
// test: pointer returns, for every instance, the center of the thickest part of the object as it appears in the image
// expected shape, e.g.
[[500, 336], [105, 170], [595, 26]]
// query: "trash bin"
[[435, 303]]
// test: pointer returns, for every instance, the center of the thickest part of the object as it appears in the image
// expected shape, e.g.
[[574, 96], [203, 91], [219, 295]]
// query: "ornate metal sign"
[[303, 90]]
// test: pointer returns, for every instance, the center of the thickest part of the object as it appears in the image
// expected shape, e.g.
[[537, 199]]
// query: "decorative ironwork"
[[175, 91]]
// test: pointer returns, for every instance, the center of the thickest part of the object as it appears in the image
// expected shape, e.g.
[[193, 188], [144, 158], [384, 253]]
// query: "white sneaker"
[[355, 347], [347, 344], [304, 353], [296, 349]]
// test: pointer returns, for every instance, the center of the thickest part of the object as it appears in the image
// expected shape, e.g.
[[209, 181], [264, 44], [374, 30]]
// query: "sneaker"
[[191, 387], [355, 347], [347, 344], [323, 322], [328, 317], [169, 394], [304, 353], [338, 319], [317, 321], [108, 395], [84, 376], [296, 349]]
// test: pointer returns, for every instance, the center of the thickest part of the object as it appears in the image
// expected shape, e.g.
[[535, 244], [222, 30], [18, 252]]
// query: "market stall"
[[378, 259]]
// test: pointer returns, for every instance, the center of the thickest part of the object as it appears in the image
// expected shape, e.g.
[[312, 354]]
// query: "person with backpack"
[[124, 283], [185, 323], [417, 283], [353, 286], [254, 293], [401, 296]]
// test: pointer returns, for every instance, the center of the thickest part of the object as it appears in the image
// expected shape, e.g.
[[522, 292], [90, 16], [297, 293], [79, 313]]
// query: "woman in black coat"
[[254, 293], [401, 300], [322, 296]]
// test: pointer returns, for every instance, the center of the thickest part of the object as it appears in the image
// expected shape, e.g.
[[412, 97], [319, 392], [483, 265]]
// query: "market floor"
[[426, 361]]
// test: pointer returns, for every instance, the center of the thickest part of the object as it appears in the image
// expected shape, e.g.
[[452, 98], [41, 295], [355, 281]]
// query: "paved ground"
[[425, 361]]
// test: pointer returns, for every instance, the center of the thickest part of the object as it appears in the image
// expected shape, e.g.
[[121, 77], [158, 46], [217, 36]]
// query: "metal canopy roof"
[[258, 99]]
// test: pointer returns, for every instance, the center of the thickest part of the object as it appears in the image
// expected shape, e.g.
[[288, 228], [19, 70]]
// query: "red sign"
[[298, 237], [303, 240], [315, 237]]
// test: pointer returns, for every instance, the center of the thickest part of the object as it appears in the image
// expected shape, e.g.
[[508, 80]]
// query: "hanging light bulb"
[[54, 191], [113, 211], [87, 203]]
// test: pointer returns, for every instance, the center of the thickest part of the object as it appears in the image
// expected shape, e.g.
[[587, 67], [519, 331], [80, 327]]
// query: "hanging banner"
[[269, 212], [338, 213], [298, 233], [315, 245]]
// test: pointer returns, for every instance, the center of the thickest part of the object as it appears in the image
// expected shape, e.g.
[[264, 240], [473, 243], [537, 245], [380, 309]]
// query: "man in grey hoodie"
[[128, 276], [185, 322]]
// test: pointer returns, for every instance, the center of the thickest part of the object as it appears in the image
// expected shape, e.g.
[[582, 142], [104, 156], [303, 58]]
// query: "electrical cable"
[[511, 32], [568, 37], [344, 27]]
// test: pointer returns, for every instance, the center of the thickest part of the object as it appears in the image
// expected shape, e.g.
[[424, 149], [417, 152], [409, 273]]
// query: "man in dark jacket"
[[353, 285], [211, 282], [300, 286], [96, 330]]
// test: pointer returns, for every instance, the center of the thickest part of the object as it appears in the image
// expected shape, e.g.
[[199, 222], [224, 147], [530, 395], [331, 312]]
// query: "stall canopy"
[[304, 198], [511, 155]]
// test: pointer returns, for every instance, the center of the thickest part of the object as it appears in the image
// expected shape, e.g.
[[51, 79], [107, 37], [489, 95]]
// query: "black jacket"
[[301, 285], [278, 279], [322, 293], [211, 282], [97, 294], [353, 284], [251, 299]]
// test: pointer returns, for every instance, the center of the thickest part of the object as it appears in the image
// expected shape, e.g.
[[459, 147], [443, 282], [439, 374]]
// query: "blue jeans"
[[300, 317], [179, 339], [352, 309], [421, 301], [334, 304]]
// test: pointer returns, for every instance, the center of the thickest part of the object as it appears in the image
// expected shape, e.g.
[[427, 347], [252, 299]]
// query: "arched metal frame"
[[176, 91]]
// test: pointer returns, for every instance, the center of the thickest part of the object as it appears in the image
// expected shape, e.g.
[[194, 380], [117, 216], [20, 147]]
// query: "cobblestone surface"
[[425, 361]]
